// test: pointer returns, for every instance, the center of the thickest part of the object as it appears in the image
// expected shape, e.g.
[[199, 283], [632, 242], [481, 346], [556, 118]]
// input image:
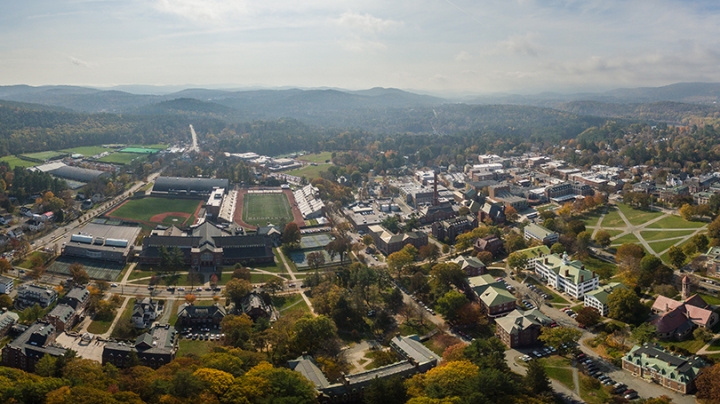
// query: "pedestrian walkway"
[[117, 318]]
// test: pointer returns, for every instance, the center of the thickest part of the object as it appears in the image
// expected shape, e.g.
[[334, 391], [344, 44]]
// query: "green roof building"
[[597, 299], [654, 364]]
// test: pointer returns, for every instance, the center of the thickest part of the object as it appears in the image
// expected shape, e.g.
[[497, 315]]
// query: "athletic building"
[[207, 247], [101, 242], [188, 186]]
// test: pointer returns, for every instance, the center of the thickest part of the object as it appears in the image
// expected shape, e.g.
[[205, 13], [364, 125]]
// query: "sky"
[[438, 46]]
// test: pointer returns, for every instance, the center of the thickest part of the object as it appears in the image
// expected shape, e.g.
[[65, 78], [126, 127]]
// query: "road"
[[194, 140]]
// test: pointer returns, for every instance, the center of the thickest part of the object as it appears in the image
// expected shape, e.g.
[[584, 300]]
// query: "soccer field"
[[148, 209], [259, 209]]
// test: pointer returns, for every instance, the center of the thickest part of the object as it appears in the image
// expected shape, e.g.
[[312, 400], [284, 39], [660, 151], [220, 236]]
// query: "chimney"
[[593, 274], [567, 273], [435, 193], [546, 261], [582, 278]]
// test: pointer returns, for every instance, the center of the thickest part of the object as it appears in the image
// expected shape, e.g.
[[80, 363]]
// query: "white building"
[[566, 276], [145, 312], [308, 201], [537, 232], [597, 299], [6, 285]]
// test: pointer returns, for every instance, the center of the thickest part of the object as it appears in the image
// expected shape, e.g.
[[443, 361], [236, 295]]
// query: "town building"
[[145, 311], [29, 294], [188, 186], [654, 364], [191, 315], [154, 349], [471, 265], [677, 319], [207, 247], [35, 342], [521, 328], [566, 276], [448, 230], [6, 284], [387, 243], [536, 232], [7, 320], [597, 299], [493, 295]]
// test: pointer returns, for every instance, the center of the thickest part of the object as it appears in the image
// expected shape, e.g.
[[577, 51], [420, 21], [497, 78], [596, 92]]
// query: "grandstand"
[[308, 201]]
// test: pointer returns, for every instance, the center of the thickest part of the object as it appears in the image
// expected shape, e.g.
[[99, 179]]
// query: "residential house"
[[30, 294], [34, 225], [597, 299], [6, 284], [566, 276], [388, 243], [35, 342], [153, 349], [145, 312], [521, 328], [493, 295], [491, 244], [654, 364], [191, 315], [6, 219], [254, 306], [471, 265], [536, 232]]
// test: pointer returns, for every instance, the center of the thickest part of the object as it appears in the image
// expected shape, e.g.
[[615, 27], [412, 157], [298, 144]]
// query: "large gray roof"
[[199, 185], [77, 173]]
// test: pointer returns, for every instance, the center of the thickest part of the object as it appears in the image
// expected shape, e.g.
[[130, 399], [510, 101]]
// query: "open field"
[[661, 246], [121, 158], [612, 219], [158, 146], [675, 222], [88, 151], [309, 172], [637, 216], [150, 210], [42, 156], [258, 209], [663, 234], [125, 316], [628, 238], [194, 347], [15, 161], [604, 269], [317, 158]]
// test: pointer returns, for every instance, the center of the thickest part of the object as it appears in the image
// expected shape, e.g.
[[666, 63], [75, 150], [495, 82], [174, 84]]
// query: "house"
[[47, 217], [6, 219], [77, 298], [63, 317], [6, 284], [521, 328], [34, 225], [35, 342], [388, 243], [491, 244], [597, 299], [677, 319], [30, 294], [254, 306], [652, 363], [566, 276], [153, 349], [191, 315], [471, 265], [145, 312], [536, 232], [493, 295], [7, 320]]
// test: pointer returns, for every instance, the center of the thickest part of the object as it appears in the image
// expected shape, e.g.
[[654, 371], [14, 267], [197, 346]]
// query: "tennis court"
[[139, 150], [313, 241], [105, 270], [300, 259]]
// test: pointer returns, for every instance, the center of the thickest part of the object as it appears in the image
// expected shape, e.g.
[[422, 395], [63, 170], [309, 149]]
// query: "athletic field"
[[261, 208], [158, 211]]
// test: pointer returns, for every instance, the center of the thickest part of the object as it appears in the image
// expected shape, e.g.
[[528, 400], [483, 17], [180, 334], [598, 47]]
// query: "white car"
[[181, 289], [113, 285]]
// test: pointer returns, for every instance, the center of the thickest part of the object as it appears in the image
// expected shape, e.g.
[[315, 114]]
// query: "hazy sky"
[[523, 46]]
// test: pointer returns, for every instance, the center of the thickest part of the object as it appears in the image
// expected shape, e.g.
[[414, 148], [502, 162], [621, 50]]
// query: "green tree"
[[5, 266], [557, 248], [702, 334], [237, 329], [78, 273], [558, 336], [430, 252], [588, 316], [643, 333], [624, 305], [517, 261], [397, 261], [676, 256], [237, 289], [242, 273], [536, 379], [514, 242], [602, 238], [312, 333], [291, 235], [46, 366], [387, 390], [450, 303]]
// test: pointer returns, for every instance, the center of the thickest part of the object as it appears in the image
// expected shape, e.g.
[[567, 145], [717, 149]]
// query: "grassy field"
[[675, 222], [42, 156], [636, 216], [613, 233], [258, 209], [126, 315], [563, 375], [661, 246], [290, 303], [27, 262], [309, 172], [692, 345], [144, 209], [15, 161], [88, 151], [194, 347], [317, 158], [628, 238], [158, 146], [604, 269], [663, 234], [612, 219], [121, 158], [710, 299], [260, 278], [591, 219]]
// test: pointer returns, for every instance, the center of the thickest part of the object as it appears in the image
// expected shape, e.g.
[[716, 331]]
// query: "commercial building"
[[597, 299], [388, 243], [35, 342], [540, 233], [363, 216], [521, 328], [566, 276], [29, 294], [101, 242], [154, 348], [208, 247], [654, 364], [493, 295], [188, 186]]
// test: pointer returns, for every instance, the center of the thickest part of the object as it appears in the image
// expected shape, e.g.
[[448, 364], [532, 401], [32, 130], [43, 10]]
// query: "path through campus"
[[292, 276], [117, 318]]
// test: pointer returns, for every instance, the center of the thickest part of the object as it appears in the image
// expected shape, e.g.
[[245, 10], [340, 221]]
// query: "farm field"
[[309, 172], [157, 210], [121, 158], [15, 161], [259, 209], [88, 151]]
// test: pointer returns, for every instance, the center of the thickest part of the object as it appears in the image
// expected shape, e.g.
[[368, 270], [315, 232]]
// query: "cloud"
[[204, 10], [366, 23], [79, 62], [463, 56], [355, 43], [520, 44]]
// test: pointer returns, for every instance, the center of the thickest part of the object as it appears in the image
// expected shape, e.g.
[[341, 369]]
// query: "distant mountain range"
[[364, 108]]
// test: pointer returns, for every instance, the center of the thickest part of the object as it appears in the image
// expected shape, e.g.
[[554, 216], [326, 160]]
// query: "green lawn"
[[636, 216], [317, 158], [309, 172], [613, 233], [158, 146], [591, 390], [260, 278], [15, 161], [144, 209], [710, 299], [612, 219], [27, 262], [563, 375], [663, 234], [692, 345], [258, 209], [290, 303], [604, 269], [194, 347], [675, 222], [714, 346], [126, 315], [99, 327], [628, 238], [88, 151], [661, 246], [591, 218], [43, 156], [122, 158]]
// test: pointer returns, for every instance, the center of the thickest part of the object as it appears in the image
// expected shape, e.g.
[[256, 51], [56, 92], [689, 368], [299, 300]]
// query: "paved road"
[[194, 140]]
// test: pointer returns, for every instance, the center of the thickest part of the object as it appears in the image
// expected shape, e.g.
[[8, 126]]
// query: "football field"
[[261, 208]]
